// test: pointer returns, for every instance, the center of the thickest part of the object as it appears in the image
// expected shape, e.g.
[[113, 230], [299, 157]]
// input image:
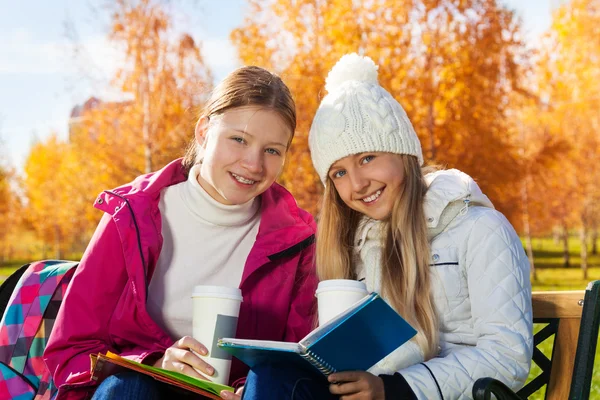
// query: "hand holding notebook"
[[104, 365], [355, 340]]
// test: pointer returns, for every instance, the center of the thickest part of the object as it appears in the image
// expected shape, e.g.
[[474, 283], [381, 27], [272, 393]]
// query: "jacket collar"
[[446, 187], [147, 185], [283, 224], [449, 192]]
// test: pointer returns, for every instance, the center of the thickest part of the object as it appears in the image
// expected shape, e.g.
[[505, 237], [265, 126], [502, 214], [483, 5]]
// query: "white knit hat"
[[358, 116]]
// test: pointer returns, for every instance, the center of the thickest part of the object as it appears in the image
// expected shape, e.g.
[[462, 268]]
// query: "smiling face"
[[369, 183], [244, 153]]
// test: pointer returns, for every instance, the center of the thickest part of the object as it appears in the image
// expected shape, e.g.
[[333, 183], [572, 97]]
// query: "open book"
[[104, 365], [353, 341]]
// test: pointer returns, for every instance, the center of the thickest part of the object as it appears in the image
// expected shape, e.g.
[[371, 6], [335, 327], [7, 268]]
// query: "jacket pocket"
[[450, 284]]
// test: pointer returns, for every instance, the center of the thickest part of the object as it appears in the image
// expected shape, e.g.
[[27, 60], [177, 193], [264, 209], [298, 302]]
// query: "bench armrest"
[[485, 387], [562, 304]]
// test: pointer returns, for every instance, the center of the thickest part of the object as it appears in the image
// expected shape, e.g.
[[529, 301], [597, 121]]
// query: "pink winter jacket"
[[105, 305]]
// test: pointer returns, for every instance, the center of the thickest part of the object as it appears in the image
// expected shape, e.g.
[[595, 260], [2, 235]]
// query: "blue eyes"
[[270, 150], [365, 160], [273, 152]]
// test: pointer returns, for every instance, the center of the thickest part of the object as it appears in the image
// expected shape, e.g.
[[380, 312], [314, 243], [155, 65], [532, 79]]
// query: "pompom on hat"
[[356, 116]]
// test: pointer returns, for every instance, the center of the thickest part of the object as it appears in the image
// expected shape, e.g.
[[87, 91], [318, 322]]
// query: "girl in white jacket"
[[430, 242]]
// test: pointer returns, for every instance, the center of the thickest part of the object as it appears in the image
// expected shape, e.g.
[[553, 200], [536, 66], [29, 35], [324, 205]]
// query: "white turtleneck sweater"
[[204, 243]]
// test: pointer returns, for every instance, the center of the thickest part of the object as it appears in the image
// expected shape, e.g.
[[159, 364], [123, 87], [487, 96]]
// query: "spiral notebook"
[[353, 341]]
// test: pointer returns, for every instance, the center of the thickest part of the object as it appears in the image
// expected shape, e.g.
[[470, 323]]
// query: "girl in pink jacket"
[[215, 217]]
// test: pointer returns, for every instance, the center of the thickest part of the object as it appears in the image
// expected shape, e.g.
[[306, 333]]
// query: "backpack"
[[26, 325]]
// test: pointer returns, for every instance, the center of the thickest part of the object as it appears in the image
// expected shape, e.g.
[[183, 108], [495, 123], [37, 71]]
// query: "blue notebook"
[[353, 341]]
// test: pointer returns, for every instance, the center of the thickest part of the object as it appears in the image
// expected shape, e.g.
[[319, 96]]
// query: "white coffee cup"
[[335, 296], [215, 315]]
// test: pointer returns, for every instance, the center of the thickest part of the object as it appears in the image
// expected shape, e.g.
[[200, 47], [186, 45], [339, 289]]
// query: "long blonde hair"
[[405, 271]]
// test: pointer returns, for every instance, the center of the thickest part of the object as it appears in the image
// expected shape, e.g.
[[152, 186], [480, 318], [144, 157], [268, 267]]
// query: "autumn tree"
[[4, 200], [163, 81], [48, 208], [568, 80], [9, 211], [11, 222], [166, 81], [452, 65], [541, 153], [165, 78]]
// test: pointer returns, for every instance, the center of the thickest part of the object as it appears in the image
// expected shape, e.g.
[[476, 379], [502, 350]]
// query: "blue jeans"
[[128, 386], [285, 382], [131, 386]]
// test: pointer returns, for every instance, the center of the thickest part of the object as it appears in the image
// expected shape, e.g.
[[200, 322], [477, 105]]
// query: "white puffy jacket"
[[482, 293]]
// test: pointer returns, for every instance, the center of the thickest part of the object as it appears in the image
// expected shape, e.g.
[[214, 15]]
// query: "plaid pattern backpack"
[[25, 327]]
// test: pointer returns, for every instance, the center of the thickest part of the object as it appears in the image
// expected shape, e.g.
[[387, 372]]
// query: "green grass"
[[8, 268], [550, 276], [546, 348], [548, 254], [563, 279]]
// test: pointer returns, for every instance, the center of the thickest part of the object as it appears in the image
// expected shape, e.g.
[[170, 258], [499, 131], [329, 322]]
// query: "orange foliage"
[[567, 80], [48, 189], [459, 68], [452, 65], [10, 211]]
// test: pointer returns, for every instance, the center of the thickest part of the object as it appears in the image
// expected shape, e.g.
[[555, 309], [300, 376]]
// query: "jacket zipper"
[[138, 236]]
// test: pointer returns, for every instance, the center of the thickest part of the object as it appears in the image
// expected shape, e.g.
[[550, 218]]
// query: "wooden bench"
[[573, 318]]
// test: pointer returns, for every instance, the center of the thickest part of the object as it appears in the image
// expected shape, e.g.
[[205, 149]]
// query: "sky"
[[42, 79]]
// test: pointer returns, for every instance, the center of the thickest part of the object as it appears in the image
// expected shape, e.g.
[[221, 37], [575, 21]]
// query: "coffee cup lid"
[[217, 291], [341, 284]]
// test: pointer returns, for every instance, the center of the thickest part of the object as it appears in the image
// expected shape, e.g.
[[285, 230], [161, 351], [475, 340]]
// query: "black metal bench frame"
[[567, 374]]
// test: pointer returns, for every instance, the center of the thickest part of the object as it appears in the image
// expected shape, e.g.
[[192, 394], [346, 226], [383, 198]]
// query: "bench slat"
[[557, 304], [563, 359]]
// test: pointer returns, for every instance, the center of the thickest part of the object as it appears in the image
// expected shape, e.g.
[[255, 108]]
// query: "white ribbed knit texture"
[[358, 116]]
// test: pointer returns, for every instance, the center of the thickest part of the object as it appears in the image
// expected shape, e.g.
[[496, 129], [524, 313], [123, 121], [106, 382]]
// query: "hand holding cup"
[[215, 315]]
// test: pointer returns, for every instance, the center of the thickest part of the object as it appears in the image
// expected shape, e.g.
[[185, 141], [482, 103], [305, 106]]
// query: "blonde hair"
[[247, 86], [405, 271]]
